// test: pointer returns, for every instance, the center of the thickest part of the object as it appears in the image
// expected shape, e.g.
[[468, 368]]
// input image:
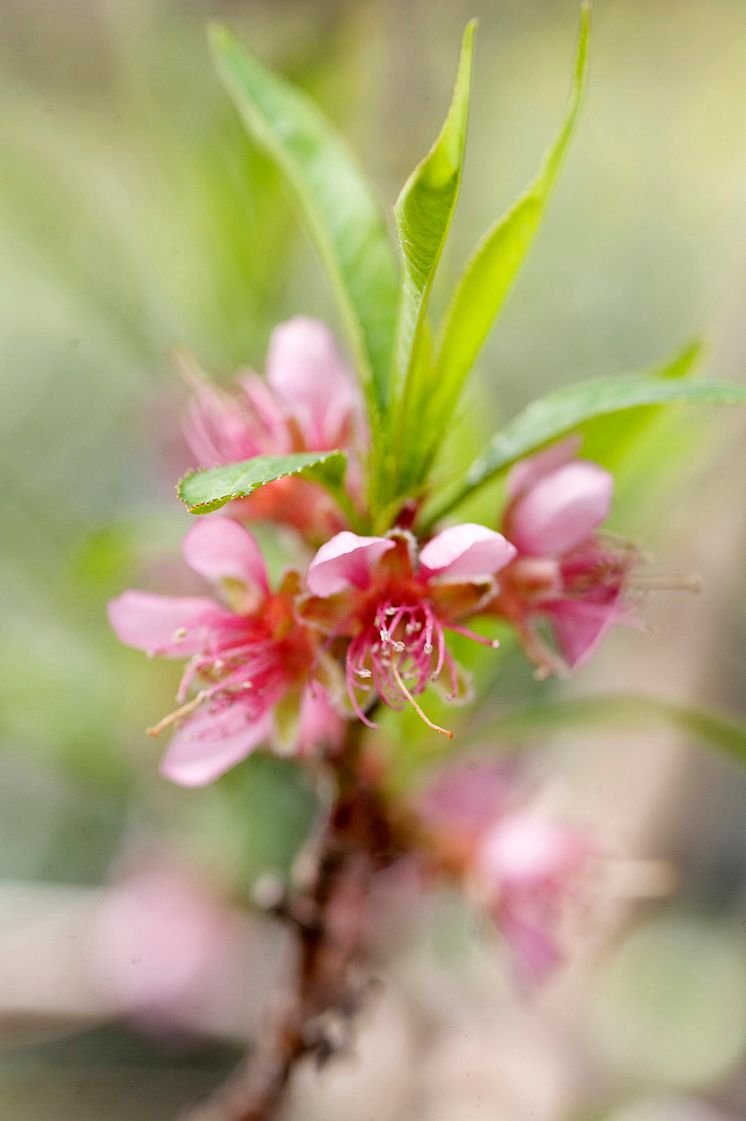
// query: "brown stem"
[[313, 1016]]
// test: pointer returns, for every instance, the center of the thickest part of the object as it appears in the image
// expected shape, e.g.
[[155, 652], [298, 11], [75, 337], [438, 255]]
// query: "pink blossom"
[[390, 607], [532, 871], [308, 402], [566, 572], [157, 939], [528, 871], [467, 797], [248, 653]]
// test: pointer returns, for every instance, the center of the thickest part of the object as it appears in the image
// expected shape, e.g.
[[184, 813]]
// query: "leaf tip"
[[584, 32], [219, 36], [471, 29]]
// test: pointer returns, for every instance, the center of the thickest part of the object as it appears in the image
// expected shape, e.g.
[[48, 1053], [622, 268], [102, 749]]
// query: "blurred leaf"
[[423, 212], [256, 817], [604, 710], [204, 491], [340, 213], [495, 262], [610, 439], [558, 413]]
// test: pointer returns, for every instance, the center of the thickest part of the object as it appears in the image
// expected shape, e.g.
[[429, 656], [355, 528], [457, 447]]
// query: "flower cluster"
[[368, 619]]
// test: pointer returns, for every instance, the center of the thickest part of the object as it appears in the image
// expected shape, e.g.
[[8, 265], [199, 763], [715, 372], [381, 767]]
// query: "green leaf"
[[609, 439], [488, 276], [424, 211], [619, 709], [203, 491], [333, 197], [560, 412]]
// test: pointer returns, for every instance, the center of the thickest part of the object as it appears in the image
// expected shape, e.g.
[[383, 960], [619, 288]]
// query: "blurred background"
[[136, 215]]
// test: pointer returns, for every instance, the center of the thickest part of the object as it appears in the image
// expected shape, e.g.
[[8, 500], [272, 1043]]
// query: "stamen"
[[494, 643], [659, 581], [435, 727], [179, 633], [183, 710]]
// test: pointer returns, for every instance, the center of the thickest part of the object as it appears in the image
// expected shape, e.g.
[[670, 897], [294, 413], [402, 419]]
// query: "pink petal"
[[320, 723], [211, 742], [269, 419], [167, 625], [534, 867], [527, 472], [305, 369], [468, 797], [533, 854], [467, 551], [534, 947], [561, 509], [345, 561], [218, 427], [580, 627], [218, 548], [135, 931]]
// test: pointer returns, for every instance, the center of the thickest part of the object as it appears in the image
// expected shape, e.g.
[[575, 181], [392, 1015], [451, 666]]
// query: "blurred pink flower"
[[249, 655], [392, 607], [157, 940], [565, 572], [530, 872], [308, 402]]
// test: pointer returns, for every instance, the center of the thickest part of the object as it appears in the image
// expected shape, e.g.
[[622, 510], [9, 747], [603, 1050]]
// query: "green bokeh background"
[[136, 215]]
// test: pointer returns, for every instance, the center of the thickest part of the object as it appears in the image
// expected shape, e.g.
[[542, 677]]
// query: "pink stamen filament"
[[480, 638]]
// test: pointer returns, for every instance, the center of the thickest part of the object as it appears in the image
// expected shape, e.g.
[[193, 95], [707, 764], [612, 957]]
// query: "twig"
[[312, 1017]]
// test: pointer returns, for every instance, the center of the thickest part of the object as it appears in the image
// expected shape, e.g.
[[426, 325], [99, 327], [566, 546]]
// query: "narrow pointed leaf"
[[425, 208], [495, 262], [203, 491], [610, 439], [560, 412], [335, 202], [604, 711]]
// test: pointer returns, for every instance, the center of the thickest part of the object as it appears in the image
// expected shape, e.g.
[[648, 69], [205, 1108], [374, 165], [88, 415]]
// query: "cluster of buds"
[[368, 620]]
